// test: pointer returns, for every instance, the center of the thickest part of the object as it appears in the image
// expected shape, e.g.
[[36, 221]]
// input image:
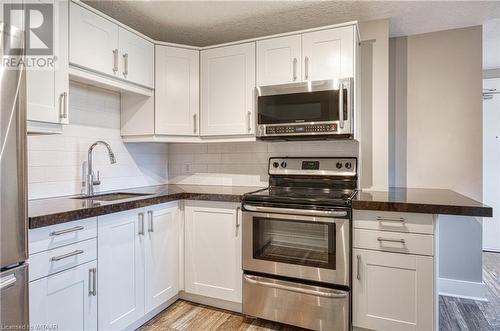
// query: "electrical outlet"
[[187, 168]]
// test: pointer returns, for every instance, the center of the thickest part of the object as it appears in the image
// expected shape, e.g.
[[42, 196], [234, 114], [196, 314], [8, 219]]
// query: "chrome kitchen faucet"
[[90, 182]]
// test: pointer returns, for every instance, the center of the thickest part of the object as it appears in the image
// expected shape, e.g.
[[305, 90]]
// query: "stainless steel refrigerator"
[[13, 200]]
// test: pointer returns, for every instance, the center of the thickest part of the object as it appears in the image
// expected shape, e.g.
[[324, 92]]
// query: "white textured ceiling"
[[202, 23]]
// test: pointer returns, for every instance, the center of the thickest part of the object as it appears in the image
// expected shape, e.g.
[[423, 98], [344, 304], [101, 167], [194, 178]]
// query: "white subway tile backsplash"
[[55, 161], [243, 163]]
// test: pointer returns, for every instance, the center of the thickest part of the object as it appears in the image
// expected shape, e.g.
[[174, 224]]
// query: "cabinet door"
[[227, 90], [65, 299], [162, 254], [177, 91], [47, 88], [392, 291], [213, 251], [136, 59], [279, 60], [329, 54], [120, 247], [93, 41]]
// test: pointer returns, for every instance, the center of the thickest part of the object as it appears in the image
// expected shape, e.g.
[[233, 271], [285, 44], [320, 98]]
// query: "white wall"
[[442, 141], [55, 160], [242, 163], [374, 112]]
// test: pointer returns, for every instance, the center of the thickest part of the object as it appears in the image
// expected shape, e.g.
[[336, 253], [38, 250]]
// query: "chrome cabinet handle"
[[341, 105], [115, 60], [65, 256], [8, 281], [304, 289], [150, 218], [195, 123], [249, 121], [306, 67], [401, 241], [238, 209], [358, 264], [389, 219], [60, 232], [65, 105], [61, 109], [294, 69], [141, 224], [326, 213], [125, 64], [93, 281]]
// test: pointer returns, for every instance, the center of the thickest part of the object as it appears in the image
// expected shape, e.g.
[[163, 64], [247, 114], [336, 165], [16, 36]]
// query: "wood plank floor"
[[455, 314], [469, 315]]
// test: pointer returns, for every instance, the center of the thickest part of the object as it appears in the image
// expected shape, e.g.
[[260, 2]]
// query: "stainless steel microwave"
[[308, 110]]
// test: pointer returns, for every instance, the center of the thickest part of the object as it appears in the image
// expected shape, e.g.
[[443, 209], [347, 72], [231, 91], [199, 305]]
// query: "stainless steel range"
[[296, 243]]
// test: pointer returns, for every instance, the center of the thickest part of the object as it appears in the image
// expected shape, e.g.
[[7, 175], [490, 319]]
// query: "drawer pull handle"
[[389, 219], [60, 232], [281, 285], [65, 256], [401, 241]]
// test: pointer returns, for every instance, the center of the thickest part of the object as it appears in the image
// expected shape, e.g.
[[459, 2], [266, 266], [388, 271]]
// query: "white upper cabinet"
[[329, 53], [101, 46], [279, 60], [136, 58], [93, 41], [177, 91], [227, 90], [162, 254], [47, 88], [213, 250]]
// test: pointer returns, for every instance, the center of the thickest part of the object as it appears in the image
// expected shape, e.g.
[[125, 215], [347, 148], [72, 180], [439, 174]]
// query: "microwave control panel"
[[302, 128]]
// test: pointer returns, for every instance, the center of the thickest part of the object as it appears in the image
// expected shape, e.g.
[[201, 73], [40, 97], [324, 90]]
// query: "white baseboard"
[[462, 289], [218, 303]]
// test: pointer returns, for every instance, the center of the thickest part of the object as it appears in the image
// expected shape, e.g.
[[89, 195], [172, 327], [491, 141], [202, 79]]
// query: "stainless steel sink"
[[112, 196]]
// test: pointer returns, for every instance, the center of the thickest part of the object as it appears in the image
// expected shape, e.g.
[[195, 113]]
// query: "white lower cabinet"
[[66, 300], [213, 250], [162, 255], [138, 254], [392, 291], [121, 269]]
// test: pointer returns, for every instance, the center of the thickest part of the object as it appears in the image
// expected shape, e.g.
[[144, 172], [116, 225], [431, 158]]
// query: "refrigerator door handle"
[[8, 281]]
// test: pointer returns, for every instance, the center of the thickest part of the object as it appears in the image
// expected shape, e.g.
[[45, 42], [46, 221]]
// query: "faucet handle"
[[98, 180]]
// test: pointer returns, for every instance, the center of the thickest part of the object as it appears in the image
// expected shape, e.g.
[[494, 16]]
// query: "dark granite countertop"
[[44, 212], [416, 200]]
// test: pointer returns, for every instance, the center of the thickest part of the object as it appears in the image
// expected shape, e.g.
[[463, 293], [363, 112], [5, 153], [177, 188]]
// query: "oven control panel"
[[301, 129], [323, 166]]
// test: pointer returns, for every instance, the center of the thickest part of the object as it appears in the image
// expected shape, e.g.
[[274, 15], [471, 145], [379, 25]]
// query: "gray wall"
[[436, 132]]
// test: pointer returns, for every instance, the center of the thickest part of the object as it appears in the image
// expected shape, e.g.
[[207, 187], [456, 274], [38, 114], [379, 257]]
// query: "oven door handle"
[[308, 212], [281, 285]]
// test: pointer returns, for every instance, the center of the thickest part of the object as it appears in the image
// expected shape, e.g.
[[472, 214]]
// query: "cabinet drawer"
[[54, 236], [49, 262], [391, 221], [398, 242]]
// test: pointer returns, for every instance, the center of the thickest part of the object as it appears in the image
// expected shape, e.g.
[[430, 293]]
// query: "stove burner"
[[325, 184]]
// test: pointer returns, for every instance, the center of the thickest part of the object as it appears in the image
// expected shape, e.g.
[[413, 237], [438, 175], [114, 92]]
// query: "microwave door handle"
[[341, 105]]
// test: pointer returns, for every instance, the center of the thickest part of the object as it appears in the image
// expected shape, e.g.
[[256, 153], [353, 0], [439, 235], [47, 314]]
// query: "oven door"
[[304, 247], [327, 105]]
